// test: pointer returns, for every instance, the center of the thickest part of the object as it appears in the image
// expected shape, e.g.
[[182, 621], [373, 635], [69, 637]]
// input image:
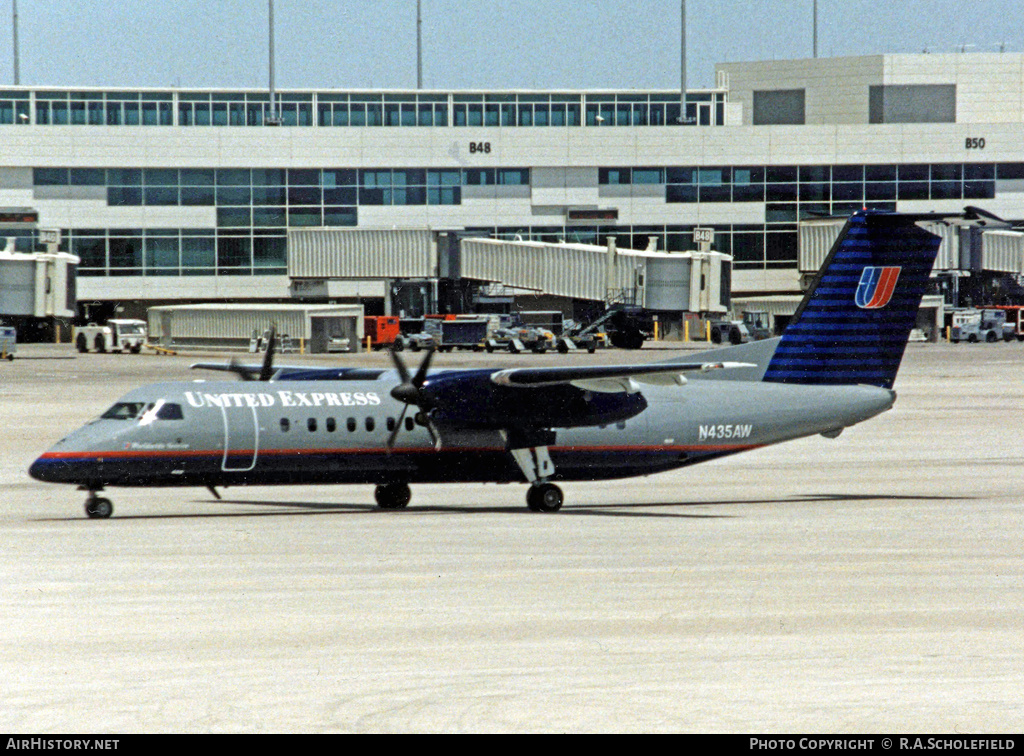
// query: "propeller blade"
[[421, 374], [238, 370], [403, 371], [267, 371], [398, 427]]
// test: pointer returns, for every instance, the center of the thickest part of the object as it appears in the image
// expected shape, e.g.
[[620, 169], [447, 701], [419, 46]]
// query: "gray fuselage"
[[220, 433]]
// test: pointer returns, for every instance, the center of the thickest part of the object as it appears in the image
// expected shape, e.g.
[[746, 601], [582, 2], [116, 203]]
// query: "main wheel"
[[101, 343], [545, 497], [392, 495], [81, 343], [99, 508]]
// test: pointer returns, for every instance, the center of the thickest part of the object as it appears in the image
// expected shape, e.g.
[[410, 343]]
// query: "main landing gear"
[[98, 507], [537, 467], [544, 497], [392, 495]]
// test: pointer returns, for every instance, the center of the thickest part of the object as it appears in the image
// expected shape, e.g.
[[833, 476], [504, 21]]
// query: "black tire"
[[716, 336], [735, 337], [101, 343], [545, 497], [990, 337], [392, 495], [81, 343], [99, 508]]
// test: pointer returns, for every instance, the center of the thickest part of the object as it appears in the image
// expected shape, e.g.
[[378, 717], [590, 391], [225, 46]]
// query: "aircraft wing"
[[608, 378]]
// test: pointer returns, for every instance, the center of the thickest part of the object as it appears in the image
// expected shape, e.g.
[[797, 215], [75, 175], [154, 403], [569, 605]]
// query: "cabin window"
[[351, 425], [285, 425], [409, 423], [391, 423], [331, 425], [369, 424], [311, 425]]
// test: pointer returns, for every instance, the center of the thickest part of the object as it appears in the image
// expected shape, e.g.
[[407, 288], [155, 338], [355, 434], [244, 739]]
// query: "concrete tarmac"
[[873, 583]]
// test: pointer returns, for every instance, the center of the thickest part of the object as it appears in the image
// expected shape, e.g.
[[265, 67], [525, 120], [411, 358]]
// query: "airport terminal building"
[[178, 195]]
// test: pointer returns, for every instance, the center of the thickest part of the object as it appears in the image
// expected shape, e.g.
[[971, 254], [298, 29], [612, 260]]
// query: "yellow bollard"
[[686, 329], [707, 330]]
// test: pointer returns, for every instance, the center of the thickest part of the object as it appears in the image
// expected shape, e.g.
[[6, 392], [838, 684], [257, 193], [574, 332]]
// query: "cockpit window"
[[125, 411], [170, 412], [138, 410]]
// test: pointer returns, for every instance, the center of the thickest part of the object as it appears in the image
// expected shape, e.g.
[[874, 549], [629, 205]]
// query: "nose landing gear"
[[98, 507]]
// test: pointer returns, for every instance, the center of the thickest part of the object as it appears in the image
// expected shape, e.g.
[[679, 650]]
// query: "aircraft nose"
[[45, 469]]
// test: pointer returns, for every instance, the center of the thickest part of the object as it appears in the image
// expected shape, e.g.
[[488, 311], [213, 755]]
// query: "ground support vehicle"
[[456, 333], [520, 339], [973, 325], [118, 335], [383, 332], [8, 342], [1013, 327], [753, 327]]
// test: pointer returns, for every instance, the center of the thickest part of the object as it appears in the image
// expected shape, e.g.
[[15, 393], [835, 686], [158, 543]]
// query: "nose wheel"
[[98, 507], [544, 497]]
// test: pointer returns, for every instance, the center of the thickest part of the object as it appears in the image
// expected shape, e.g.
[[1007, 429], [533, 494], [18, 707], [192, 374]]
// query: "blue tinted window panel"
[[234, 195], [269, 251], [269, 217], [979, 171], [234, 217], [50, 176], [780, 192], [340, 216], [908, 190], [196, 196], [947, 190], [847, 192], [715, 193], [346, 195], [305, 195], [233, 177], [305, 216], [124, 196], [979, 189], [748, 192], [680, 193], [878, 190], [160, 177], [160, 195], [269, 195], [268, 177]]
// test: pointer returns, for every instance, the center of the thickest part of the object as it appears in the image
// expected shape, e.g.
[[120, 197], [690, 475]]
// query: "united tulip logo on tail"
[[876, 286]]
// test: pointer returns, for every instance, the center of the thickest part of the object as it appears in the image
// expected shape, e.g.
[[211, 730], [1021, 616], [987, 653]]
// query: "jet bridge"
[[660, 281]]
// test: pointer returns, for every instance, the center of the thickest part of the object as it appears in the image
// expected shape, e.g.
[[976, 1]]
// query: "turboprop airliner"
[[833, 367]]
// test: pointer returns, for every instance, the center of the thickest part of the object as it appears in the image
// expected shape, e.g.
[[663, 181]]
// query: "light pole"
[[419, 44], [272, 118], [14, 40]]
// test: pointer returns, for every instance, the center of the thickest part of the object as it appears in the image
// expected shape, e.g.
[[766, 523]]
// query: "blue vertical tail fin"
[[852, 326]]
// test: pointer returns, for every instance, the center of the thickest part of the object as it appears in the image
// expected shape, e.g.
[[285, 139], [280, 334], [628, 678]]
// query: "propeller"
[[266, 370], [410, 391]]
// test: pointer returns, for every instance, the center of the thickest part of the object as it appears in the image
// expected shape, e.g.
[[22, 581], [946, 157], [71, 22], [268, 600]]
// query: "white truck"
[[119, 335]]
